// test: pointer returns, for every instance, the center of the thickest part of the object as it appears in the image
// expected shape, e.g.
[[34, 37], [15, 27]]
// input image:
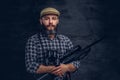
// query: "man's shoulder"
[[63, 37], [66, 39], [33, 37]]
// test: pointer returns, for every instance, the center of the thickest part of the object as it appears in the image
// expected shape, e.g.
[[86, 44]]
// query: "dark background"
[[83, 21]]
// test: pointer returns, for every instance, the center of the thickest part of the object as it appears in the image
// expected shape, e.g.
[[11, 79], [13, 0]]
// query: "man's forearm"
[[71, 67], [44, 69], [49, 69]]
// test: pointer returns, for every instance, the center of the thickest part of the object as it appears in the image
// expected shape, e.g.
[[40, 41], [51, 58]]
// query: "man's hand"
[[60, 70], [45, 69]]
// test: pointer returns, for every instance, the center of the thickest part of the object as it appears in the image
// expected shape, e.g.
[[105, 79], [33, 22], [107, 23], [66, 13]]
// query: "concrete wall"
[[83, 21]]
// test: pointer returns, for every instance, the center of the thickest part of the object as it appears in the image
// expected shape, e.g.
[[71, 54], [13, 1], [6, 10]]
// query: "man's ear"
[[58, 21], [40, 21]]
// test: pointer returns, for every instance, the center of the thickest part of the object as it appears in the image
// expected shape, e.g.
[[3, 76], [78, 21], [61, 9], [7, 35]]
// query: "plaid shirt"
[[37, 47]]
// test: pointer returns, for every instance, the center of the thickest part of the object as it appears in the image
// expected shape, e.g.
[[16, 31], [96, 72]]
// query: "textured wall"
[[83, 21]]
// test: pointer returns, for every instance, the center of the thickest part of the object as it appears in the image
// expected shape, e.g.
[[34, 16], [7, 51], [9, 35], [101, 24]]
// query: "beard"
[[49, 29]]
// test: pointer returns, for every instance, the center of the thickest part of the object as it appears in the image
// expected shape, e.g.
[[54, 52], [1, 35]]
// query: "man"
[[48, 42]]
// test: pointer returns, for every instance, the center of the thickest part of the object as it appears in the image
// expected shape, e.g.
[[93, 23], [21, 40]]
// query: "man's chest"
[[54, 45]]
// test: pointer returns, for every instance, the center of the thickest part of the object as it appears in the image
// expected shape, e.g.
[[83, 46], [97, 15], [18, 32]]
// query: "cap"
[[49, 10]]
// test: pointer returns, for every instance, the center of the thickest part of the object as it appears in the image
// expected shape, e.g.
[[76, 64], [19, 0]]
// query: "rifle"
[[76, 53]]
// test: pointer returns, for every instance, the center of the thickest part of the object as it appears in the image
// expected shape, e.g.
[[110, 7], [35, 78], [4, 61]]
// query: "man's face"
[[49, 21]]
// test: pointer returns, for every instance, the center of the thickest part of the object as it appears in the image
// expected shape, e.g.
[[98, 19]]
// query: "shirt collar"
[[46, 36]]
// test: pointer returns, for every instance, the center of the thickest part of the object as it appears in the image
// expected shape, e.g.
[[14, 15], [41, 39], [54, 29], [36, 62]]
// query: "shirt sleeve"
[[30, 56], [70, 46]]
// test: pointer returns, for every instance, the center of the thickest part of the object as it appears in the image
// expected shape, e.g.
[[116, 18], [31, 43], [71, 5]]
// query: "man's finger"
[[57, 71], [56, 68]]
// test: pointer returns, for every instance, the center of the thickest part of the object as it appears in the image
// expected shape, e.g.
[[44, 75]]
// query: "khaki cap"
[[49, 10]]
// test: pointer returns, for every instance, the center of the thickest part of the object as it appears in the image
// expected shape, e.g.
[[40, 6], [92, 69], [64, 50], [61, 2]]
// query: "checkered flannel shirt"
[[34, 52]]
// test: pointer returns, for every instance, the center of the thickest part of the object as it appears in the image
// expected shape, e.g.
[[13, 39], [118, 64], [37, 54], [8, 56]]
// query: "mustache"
[[51, 25]]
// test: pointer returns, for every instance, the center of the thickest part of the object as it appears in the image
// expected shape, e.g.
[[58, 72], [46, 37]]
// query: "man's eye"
[[54, 18]]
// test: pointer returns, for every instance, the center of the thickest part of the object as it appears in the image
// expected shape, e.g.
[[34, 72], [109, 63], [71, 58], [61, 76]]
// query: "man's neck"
[[51, 36]]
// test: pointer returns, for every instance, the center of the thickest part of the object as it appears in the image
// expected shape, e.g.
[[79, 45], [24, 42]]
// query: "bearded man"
[[49, 44]]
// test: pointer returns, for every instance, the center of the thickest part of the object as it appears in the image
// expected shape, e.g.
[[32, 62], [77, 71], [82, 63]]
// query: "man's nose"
[[50, 21]]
